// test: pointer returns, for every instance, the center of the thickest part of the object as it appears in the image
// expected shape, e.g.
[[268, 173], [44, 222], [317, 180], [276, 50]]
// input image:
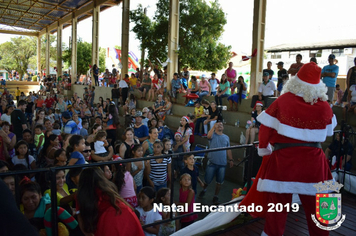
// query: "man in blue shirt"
[[217, 160], [329, 74], [176, 86], [141, 130], [69, 126]]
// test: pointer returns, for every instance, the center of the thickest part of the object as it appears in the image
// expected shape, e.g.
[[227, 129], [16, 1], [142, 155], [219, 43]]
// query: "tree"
[[16, 54], [83, 57], [52, 53], [201, 26]]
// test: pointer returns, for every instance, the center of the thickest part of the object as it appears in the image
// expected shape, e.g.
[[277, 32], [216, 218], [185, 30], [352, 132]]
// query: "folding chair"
[[200, 156]]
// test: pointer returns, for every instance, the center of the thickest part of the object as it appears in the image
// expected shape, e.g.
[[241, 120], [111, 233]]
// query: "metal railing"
[[52, 171]]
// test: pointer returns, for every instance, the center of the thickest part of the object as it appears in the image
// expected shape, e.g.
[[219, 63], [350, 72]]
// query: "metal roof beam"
[[39, 24], [77, 13], [19, 32]]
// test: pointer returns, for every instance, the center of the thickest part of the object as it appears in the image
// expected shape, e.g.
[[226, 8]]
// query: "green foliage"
[[52, 52], [201, 26], [16, 54], [83, 57]]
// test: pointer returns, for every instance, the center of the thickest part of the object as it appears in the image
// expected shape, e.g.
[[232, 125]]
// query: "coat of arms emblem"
[[328, 206]]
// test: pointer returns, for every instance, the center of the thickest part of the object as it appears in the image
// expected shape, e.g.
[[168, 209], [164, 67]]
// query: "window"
[[338, 52], [315, 53], [276, 55], [293, 54]]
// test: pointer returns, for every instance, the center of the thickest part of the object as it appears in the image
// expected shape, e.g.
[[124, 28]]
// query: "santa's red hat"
[[310, 73]]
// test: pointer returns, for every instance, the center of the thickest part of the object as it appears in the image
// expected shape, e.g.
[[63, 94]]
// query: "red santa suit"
[[293, 169]]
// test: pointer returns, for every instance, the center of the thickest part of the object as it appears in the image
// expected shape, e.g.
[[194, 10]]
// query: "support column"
[[59, 50], [95, 38], [39, 58], [125, 37], [258, 37], [74, 48], [47, 55], [173, 40]]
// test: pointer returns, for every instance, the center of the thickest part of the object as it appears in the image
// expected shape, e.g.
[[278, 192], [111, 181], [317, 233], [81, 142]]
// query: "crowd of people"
[[47, 129]]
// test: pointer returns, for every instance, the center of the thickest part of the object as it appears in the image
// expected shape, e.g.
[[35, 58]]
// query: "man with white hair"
[[295, 125]]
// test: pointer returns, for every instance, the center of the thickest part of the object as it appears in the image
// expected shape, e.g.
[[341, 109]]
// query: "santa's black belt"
[[278, 146]]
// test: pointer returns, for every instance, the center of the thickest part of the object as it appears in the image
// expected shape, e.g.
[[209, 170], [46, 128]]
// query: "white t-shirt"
[[6, 117], [123, 84], [353, 93], [16, 160], [268, 89], [149, 217], [99, 147]]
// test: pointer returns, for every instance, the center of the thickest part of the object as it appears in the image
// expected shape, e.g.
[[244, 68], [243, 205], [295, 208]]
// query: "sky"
[[286, 22]]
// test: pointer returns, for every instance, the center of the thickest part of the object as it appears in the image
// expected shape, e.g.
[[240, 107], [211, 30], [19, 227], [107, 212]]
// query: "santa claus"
[[291, 132]]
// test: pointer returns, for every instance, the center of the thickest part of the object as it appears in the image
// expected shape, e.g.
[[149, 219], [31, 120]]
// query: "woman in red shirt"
[[102, 211]]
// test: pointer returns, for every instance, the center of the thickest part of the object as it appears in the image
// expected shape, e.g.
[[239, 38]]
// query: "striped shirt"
[[158, 173]]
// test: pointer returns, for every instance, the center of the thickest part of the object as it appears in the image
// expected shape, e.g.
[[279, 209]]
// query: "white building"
[[344, 50]]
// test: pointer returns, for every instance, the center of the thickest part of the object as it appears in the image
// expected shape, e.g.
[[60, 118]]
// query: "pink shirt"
[[127, 189], [230, 73], [204, 85]]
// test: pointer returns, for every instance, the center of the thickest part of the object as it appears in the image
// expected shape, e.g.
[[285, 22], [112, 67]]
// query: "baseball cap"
[[331, 56], [265, 74], [138, 114], [66, 115], [203, 75]]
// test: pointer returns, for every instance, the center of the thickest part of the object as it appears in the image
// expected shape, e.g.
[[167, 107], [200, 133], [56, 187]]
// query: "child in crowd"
[[160, 128], [56, 128], [138, 167], [157, 171], [186, 196], [152, 123], [130, 104], [192, 127], [58, 114], [60, 158], [50, 115], [39, 137], [100, 144], [164, 197], [199, 119], [125, 185], [147, 215], [192, 170], [76, 146], [22, 156], [177, 138], [107, 172], [84, 130]]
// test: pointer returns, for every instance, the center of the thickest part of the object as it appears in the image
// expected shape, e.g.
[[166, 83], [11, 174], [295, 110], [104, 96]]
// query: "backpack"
[[168, 133]]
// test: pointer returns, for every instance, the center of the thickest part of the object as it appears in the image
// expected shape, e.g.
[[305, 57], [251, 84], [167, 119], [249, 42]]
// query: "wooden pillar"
[[95, 37], [74, 48], [59, 50], [258, 37], [47, 55], [125, 37], [173, 40], [39, 58]]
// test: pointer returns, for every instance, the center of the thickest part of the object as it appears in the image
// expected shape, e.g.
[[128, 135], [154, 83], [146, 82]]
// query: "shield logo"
[[328, 207]]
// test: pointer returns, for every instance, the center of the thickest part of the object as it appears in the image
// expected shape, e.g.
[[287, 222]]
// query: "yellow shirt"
[[198, 111], [59, 196], [18, 92], [133, 81]]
